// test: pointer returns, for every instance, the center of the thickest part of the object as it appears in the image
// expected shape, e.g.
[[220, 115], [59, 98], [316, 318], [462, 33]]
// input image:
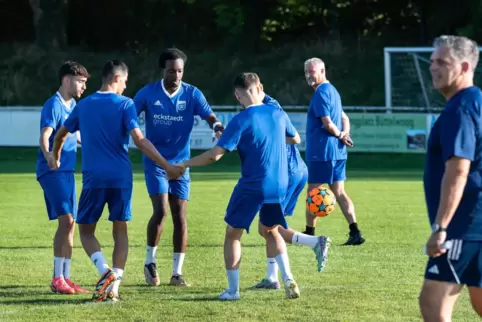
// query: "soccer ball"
[[320, 201]]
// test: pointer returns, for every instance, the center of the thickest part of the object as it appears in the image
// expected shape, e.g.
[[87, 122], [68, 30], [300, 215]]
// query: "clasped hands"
[[175, 171], [346, 139]]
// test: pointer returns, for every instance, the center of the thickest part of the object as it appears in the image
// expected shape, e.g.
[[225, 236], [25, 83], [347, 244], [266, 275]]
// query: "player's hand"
[[346, 139], [435, 243], [52, 162], [217, 132], [176, 171]]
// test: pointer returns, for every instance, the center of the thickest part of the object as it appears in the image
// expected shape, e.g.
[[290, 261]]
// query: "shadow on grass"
[[386, 165], [130, 246], [62, 300]]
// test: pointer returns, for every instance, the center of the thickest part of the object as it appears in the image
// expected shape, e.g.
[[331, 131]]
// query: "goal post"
[[408, 83]]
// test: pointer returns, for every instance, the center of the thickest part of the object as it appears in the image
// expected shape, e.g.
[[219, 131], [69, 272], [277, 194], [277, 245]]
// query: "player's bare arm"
[[453, 185], [293, 140], [345, 121], [44, 141], [215, 124], [59, 141], [148, 149], [335, 131], [208, 157]]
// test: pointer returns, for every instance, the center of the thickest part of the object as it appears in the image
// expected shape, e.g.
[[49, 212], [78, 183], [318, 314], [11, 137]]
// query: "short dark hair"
[[246, 80], [171, 54], [114, 67], [72, 68]]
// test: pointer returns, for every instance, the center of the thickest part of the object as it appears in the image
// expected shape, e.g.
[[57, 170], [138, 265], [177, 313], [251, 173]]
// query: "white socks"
[[119, 274], [177, 262], [99, 262], [272, 273], [306, 240], [151, 254], [233, 280], [67, 268], [58, 266], [284, 266]]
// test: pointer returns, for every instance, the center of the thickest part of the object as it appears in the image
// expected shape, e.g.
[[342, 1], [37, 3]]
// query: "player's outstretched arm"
[[206, 158], [150, 150], [215, 125], [59, 141]]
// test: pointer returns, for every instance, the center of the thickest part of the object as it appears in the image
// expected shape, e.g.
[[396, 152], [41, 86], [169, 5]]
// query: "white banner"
[[21, 127]]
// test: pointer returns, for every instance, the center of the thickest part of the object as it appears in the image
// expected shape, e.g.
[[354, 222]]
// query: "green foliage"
[[29, 76]]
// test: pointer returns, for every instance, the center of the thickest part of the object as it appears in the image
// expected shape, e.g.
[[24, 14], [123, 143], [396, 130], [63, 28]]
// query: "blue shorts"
[[461, 264], [92, 202], [326, 171], [59, 193], [157, 183], [245, 204], [297, 182]]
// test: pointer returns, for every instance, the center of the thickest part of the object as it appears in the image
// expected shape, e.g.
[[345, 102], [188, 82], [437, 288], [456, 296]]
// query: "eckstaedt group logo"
[[163, 119]]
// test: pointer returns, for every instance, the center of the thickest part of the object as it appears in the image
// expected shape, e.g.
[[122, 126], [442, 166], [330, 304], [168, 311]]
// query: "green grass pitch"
[[378, 281]]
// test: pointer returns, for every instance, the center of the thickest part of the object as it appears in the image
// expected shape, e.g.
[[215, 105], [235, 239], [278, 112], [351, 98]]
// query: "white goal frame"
[[387, 51]]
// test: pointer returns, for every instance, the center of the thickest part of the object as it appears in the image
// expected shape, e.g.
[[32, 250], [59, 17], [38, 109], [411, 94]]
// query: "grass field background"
[[378, 281]]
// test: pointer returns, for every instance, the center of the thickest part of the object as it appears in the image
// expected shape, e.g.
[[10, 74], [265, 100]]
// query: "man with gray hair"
[[453, 183], [327, 136]]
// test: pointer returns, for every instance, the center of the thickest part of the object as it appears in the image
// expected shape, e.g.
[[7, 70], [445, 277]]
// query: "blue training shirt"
[[321, 145], [259, 133], [169, 119], [54, 113], [105, 120], [457, 133], [295, 162]]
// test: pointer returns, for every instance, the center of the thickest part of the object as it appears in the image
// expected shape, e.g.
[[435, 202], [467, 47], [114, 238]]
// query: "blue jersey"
[[321, 145], [169, 118], [457, 133], [259, 133], [104, 120], [54, 113], [295, 162]]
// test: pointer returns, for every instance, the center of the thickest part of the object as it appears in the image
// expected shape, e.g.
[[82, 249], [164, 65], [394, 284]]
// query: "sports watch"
[[436, 228]]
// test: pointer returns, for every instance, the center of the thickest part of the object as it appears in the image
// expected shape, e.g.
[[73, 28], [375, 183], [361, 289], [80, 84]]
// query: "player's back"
[[262, 149], [295, 162], [105, 140], [457, 132]]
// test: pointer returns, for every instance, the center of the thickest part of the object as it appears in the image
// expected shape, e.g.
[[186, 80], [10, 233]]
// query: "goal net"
[[408, 83]]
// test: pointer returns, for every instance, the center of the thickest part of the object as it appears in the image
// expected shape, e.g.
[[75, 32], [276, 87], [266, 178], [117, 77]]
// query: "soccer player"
[[105, 120], [298, 176], [260, 133], [169, 106], [327, 136], [453, 183], [59, 186]]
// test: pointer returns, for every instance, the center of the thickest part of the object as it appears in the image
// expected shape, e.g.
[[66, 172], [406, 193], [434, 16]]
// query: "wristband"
[[216, 124]]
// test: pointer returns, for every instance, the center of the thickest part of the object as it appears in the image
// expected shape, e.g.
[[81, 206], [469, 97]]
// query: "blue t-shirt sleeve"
[[140, 101], [321, 104], [290, 129], [130, 115], [231, 135], [72, 122], [50, 115], [201, 105], [458, 134]]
